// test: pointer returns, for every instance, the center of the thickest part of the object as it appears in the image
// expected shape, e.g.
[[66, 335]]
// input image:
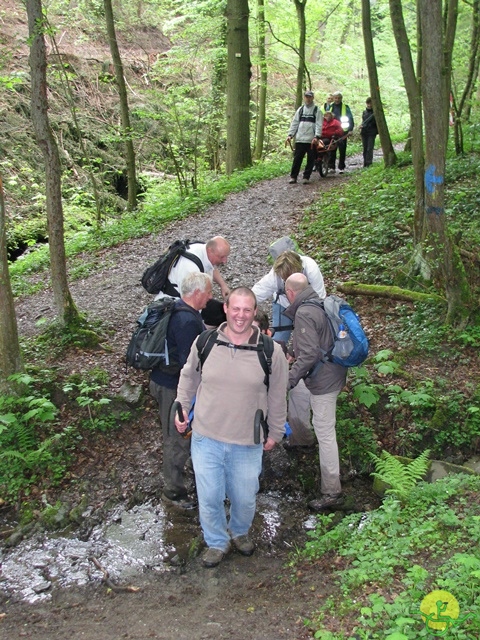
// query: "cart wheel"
[[323, 167]]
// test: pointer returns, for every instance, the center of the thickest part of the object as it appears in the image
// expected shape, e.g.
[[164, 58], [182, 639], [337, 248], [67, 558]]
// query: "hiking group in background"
[[311, 128]]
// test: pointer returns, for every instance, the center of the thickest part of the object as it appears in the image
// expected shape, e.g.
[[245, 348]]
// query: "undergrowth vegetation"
[[387, 561]]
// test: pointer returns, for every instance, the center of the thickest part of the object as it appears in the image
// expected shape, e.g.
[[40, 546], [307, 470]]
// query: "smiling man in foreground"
[[230, 386]]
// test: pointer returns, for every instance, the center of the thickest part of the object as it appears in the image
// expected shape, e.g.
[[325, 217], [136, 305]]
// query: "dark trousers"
[[342, 152], [176, 448], [302, 149], [368, 145]]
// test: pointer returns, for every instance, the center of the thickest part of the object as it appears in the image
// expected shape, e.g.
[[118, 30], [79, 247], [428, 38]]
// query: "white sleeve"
[[314, 276], [266, 287]]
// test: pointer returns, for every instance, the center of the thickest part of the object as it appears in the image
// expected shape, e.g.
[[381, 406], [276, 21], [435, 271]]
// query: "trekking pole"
[[176, 409], [259, 422]]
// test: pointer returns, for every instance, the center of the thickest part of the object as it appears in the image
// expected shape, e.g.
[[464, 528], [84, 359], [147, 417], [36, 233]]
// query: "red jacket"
[[332, 128]]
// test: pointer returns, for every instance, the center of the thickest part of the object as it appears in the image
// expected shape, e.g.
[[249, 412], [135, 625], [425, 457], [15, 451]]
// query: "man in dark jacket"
[[185, 325], [312, 336], [369, 133]]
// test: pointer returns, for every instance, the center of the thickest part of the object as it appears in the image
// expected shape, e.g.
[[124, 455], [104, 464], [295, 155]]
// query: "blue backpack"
[[350, 344]]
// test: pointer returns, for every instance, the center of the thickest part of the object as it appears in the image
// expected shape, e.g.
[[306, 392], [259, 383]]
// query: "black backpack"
[[264, 349], [148, 346], [155, 278]]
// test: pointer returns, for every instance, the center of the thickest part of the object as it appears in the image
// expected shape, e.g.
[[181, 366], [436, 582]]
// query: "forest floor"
[[261, 597]]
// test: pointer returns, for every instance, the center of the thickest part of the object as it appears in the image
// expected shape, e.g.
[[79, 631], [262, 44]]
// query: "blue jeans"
[[279, 320], [224, 470]]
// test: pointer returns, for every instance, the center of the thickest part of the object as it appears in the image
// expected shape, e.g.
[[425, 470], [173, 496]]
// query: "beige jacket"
[[229, 390]]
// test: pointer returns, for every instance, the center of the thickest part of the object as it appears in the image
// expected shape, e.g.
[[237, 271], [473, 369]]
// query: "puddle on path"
[[127, 544]]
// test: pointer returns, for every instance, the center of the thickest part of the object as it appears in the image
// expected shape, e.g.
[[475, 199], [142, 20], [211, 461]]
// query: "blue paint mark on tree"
[[431, 179]]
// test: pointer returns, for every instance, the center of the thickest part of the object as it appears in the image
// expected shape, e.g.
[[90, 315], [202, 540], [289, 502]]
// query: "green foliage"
[[389, 559], [86, 396], [28, 441], [400, 476]]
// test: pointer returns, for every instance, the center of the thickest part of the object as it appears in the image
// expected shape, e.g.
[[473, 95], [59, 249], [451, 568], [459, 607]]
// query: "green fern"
[[399, 476]]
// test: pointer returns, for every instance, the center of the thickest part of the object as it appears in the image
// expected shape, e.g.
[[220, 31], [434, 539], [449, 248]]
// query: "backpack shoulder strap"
[[265, 355], [195, 259], [205, 342]]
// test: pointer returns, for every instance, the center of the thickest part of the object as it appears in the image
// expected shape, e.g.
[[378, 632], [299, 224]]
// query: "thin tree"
[[10, 355], [262, 90], [412, 86], [66, 309], [301, 69], [124, 110], [239, 153], [435, 93], [461, 103], [389, 156]]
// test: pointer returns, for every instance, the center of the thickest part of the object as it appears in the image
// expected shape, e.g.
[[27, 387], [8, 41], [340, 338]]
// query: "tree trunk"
[[239, 154], [64, 304], [124, 111], [10, 357], [302, 26], [471, 76], [389, 156], [412, 87], [262, 92], [450, 27], [448, 266]]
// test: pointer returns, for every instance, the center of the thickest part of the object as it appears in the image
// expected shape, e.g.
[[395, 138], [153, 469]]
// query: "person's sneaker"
[[180, 502], [292, 181], [305, 181], [212, 557], [341, 170], [243, 545], [327, 501]]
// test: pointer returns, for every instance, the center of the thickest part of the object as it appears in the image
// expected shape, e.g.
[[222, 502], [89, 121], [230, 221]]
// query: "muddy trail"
[[130, 568]]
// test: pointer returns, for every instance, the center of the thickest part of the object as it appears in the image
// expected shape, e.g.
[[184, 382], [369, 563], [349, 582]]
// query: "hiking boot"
[[305, 181], [182, 502], [243, 545], [212, 557], [327, 501], [292, 181]]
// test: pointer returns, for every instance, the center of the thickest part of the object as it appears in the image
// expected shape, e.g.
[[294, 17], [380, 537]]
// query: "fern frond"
[[400, 477], [12, 454]]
